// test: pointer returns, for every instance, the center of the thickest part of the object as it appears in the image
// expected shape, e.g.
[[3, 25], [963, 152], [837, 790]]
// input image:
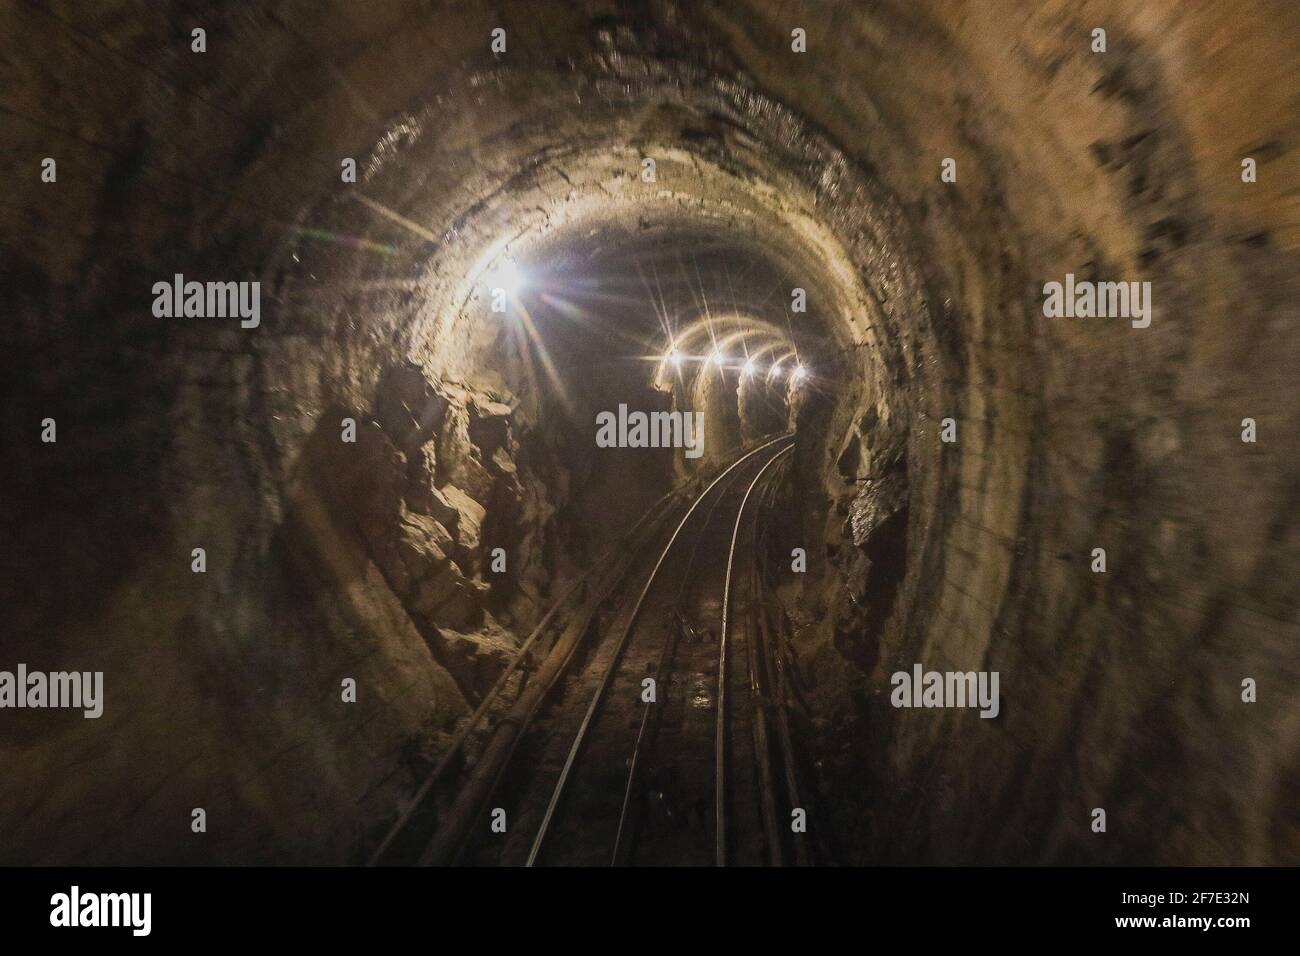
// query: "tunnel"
[[368, 362]]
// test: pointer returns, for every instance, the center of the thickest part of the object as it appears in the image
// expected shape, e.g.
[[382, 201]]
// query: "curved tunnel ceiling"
[[773, 171]]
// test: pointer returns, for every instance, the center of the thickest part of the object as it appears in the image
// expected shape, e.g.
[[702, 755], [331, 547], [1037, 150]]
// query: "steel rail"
[[488, 700], [544, 828], [649, 724], [759, 692], [784, 738], [778, 691], [486, 774], [452, 833], [521, 655], [720, 738]]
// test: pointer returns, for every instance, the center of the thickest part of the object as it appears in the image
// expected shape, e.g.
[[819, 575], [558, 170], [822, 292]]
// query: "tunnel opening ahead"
[[603, 369]]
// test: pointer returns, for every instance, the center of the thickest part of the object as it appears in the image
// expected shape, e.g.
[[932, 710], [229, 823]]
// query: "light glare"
[[508, 277]]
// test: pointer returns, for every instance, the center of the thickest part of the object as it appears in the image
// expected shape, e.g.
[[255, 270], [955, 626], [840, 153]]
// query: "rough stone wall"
[[1121, 691]]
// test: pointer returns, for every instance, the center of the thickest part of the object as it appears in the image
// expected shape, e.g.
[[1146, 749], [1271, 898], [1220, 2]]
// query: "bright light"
[[674, 356], [717, 358], [799, 374], [749, 367], [507, 276], [777, 371]]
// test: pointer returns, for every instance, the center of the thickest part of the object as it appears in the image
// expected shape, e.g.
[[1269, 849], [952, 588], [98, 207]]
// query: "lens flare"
[[508, 276]]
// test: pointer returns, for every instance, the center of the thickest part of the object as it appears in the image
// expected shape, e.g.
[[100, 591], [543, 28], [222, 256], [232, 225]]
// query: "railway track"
[[647, 734]]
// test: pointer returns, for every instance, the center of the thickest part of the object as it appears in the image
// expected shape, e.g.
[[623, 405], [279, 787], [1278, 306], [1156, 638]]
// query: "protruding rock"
[[475, 660], [459, 462], [407, 407], [474, 478], [502, 464], [432, 501], [489, 425], [418, 564], [409, 550], [423, 479], [449, 599], [876, 501], [469, 517], [422, 539]]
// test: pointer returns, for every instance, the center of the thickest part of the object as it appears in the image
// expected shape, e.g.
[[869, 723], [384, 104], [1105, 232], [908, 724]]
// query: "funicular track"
[[646, 734]]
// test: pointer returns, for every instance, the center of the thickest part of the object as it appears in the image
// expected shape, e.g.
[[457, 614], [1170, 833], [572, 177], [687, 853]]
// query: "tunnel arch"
[[1070, 435]]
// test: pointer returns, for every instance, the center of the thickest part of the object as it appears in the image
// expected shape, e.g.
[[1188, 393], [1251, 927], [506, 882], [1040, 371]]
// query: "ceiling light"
[[507, 276]]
